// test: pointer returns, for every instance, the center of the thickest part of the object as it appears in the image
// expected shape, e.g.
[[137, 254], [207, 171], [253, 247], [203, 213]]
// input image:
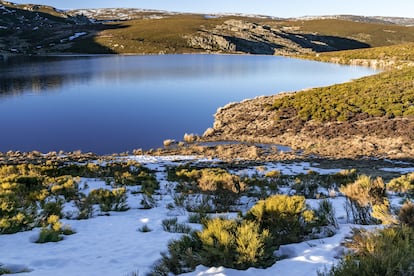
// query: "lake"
[[112, 104]]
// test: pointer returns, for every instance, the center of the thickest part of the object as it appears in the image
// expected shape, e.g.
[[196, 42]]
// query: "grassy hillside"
[[170, 33], [164, 35], [374, 34], [388, 94], [395, 55]]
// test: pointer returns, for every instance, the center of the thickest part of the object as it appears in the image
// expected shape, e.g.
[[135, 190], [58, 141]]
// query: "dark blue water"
[[119, 103]]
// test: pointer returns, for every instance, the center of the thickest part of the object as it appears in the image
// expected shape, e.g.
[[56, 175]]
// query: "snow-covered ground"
[[114, 245]]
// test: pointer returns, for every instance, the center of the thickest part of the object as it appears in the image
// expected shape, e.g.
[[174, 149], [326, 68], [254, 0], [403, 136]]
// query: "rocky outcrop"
[[235, 36]]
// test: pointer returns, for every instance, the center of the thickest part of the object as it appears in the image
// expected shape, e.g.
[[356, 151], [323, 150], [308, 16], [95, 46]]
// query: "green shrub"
[[172, 226], [252, 246], [49, 235], [144, 229], [149, 186], [52, 208], [325, 214], [84, 205], [53, 231], [344, 177], [21, 221], [383, 252], [403, 184], [218, 242], [66, 186], [122, 173], [200, 204], [182, 257], [263, 187], [109, 200], [199, 218], [223, 188], [286, 217], [307, 184], [148, 202], [235, 244]]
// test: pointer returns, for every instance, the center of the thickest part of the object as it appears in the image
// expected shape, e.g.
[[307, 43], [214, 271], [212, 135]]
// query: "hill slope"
[[38, 29]]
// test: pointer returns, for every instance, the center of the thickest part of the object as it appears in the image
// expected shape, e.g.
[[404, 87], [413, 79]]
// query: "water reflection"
[[20, 75]]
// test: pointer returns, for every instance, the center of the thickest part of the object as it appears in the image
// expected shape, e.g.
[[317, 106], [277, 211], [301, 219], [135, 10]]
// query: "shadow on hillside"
[[252, 47], [316, 43], [324, 43]]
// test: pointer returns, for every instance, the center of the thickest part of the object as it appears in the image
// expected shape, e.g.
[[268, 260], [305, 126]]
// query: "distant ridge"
[[405, 21]]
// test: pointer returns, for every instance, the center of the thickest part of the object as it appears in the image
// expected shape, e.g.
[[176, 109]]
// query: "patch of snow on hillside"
[[76, 35]]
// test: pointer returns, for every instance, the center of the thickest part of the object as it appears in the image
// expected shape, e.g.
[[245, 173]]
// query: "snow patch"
[[76, 35]]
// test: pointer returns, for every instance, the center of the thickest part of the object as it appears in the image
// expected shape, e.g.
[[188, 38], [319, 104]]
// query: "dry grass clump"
[[387, 251], [406, 214], [190, 138], [168, 142], [366, 201]]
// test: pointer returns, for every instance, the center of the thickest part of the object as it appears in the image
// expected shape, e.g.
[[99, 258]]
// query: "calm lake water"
[[110, 104]]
